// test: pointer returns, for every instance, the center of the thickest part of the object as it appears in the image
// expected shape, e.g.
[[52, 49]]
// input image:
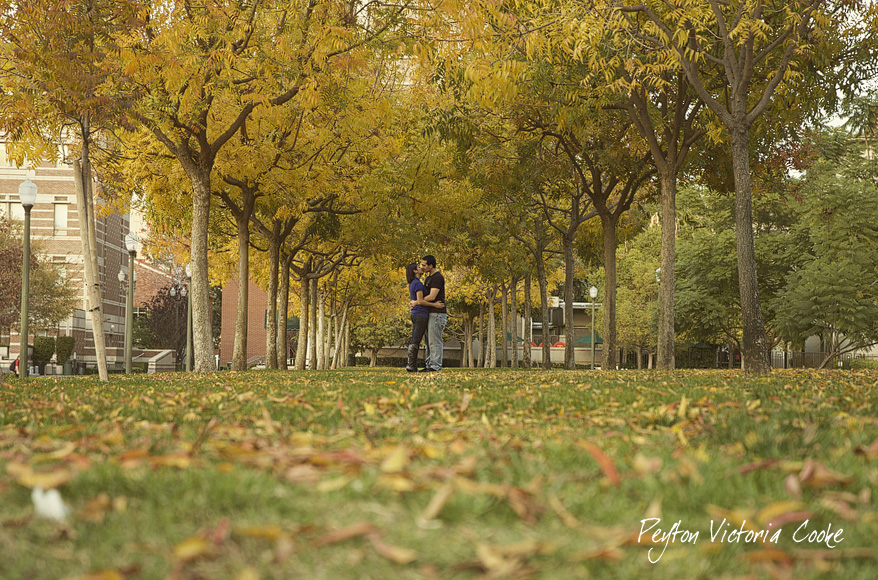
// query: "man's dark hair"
[[430, 259], [410, 272]]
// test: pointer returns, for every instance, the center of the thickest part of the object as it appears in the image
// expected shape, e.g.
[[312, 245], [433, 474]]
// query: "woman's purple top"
[[415, 287]]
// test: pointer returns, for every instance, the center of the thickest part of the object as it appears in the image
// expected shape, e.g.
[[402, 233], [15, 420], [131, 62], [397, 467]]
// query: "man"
[[435, 286]]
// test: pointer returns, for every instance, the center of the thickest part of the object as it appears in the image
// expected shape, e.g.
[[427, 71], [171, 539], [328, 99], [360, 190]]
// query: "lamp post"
[[27, 194], [593, 292], [131, 246], [188, 320]]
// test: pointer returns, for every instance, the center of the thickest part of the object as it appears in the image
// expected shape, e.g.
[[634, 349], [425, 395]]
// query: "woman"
[[420, 314]]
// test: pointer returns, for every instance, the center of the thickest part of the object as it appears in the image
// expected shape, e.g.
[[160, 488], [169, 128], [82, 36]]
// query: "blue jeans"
[[433, 358]]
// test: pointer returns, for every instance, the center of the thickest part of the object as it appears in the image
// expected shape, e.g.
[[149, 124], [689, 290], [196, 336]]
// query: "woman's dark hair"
[[410, 272]]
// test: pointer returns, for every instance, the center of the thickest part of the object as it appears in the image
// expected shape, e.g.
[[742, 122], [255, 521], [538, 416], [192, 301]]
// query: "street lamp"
[[189, 319], [27, 194], [593, 292], [131, 246]]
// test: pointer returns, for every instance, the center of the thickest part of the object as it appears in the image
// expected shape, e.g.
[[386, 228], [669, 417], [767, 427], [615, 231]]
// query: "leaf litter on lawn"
[[474, 472]]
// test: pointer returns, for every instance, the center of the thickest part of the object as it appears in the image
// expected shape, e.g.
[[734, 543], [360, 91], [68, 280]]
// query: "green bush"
[[64, 348], [860, 364], [44, 348]]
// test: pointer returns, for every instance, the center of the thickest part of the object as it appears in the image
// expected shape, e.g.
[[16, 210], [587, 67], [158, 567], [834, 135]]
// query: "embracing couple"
[[429, 315]]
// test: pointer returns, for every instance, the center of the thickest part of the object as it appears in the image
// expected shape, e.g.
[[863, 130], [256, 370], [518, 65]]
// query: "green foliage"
[[52, 299], [44, 348], [860, 364], [834, 293], [64, 348], [707, 297]]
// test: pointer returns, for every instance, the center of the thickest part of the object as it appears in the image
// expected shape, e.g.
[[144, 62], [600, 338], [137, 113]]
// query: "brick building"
[[256, 313], [55, 222]]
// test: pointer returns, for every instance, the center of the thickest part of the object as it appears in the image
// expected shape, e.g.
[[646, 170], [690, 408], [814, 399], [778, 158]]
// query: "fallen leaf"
[[346, 533], [772, 511], [870, 452], [192, 549], [269, 532], [396, 460], [440, 498], [26, 476], [392, 553], [102, 575], [335, 484], [768, 555], [569, 520], [815, 474], [605, 463]]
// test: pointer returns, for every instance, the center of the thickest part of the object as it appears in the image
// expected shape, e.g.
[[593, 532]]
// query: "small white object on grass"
[[48, 504]]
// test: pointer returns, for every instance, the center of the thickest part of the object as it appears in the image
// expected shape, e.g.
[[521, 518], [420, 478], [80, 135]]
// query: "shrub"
[[44, 348], [860, 364], [64, 348]]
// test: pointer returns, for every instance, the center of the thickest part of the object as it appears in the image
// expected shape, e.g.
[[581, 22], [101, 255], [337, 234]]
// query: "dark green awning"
[[586, 339]]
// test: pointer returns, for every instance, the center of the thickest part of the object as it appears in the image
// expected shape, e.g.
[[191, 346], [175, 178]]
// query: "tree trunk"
[[302, 344], [347, 342], [283, 309], [82, 184], [639, 358], [528, 335], [608, 224], [504, 325], [321, 337], [513, 314], [202, 313], [754, 347], [312, 328], [483, 351], [470, 324], [665, 352], [544, 307], [569, 353], [491, 338], [373, 357], [239, 351], [339, 339], [271, 322]]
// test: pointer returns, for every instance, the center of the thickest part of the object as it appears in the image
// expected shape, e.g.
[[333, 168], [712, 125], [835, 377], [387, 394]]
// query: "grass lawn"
[[379, 474]]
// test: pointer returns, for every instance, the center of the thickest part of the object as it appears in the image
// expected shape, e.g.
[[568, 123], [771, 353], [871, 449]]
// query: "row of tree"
[[343, 140]]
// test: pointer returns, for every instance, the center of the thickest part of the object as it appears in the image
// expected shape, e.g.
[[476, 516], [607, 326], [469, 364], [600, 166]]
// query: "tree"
[[58, 75], [834, 294], [759, 51], [52, 298], [708, 307], [203, 69]]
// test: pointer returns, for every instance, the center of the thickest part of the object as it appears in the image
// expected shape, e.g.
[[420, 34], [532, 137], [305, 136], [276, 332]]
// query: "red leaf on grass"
[[606, 464]]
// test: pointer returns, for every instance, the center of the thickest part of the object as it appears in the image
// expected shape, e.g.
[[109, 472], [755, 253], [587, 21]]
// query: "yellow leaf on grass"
[[270, 532], [370, 409], [26, 476], [776, 509], [61, 453], [192, 549], [396, 460], [334, 484], [395, 482], [102, 575]]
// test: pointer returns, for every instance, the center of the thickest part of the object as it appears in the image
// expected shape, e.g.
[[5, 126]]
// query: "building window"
[[60, 219]]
